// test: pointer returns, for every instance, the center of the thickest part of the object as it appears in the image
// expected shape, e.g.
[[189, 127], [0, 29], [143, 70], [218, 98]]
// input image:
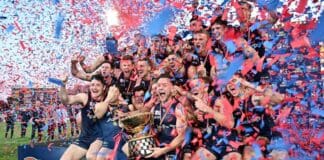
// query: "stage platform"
[[43, 151]]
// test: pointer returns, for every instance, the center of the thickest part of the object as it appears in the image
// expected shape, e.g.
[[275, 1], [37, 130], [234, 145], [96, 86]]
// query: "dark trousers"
[[62, 129], [10, 126], [74, 126], [37, 127], [51, 131], [23, 126]]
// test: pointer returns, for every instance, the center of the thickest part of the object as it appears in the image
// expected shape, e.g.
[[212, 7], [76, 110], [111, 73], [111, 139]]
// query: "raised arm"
[[224, 119], [102, 107], [79, 74], [80, 98], [274, 97], [96, 64]]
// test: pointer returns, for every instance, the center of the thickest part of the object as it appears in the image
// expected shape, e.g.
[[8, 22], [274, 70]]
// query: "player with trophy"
[[167, 123]]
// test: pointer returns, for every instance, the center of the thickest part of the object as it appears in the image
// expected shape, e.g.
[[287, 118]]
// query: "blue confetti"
[[111, 46], [162, 2], [268, 44], [312, 103], [275, 68], [271, 5], [257, 151], [58, 25], [277, 144], [231, 47], [216, 149], [207, 135], [146, 129], [317, 34], [59, 56], [30, 84], [147, 96], [188, 136], [248, 130], [220, 60], [291, 91], [276, 107], [316, 111], [224, 2], [257, 25], [56, 81], [56, 2], [319, 135], [230, 71], [225, 140], [10, 28], [304, 103], [280, 51], [160, 20], [262, 124]]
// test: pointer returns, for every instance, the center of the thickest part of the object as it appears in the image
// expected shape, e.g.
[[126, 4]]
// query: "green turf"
[[9, 147]]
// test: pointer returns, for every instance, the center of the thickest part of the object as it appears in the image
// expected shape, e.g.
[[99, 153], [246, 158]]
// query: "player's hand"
[[157, 152]]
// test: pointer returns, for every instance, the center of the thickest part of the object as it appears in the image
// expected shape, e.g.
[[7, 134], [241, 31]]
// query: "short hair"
[[203, 32], [99, 77], [195, 18], [177, 38], [138, 88], [147, 60], [111, 65], [176, 54], [218, 20], [127, 58], [165, 75], [156, 36], [206, 79]]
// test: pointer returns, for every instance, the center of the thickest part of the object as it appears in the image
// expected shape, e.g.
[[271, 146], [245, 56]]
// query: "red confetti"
[[301, 6], [235, 144], [86, 21], [209, 45], [177, 3], [232, 34], [224, 16], [22, 45], [247, 66], [302, 41], [309, 25], [239, 11], [17, 25]]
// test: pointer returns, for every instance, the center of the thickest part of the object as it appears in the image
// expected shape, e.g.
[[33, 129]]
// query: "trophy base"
[[141, 146]]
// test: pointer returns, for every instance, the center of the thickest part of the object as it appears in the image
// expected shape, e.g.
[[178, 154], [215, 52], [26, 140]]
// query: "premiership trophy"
[[140, 143]]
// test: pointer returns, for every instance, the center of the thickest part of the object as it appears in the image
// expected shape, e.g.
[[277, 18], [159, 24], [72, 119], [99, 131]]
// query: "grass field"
[[9, 147]]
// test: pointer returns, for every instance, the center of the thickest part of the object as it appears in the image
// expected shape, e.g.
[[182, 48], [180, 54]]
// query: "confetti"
[[58, 25], [160, 21], [56, 81]]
